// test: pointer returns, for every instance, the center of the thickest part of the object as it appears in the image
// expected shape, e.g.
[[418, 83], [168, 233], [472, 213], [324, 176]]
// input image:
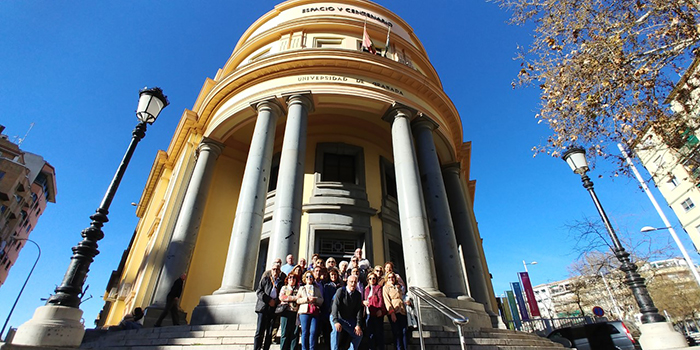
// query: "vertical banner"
[[530, 294], [506, 313], [515, 286], [514, 309]]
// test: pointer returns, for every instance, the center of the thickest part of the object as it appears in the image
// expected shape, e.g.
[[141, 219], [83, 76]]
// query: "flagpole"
[[386, 46]]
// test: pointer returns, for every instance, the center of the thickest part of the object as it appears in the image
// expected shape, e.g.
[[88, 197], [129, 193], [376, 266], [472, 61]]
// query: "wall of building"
[[27, 184], [293, 50]]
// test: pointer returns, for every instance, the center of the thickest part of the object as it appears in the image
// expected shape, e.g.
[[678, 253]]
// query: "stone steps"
[[240, 337]]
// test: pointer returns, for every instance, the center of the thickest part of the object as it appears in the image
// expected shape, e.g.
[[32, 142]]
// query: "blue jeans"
[[309, 333], [349, 327], [399, 329], [334, 334], [375, 332]]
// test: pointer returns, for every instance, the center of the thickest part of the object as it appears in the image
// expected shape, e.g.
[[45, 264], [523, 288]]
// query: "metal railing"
[[457, 319]]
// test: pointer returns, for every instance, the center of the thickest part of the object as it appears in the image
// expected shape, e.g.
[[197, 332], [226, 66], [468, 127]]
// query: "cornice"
[[332, 61], [166, 159], [331, 25]]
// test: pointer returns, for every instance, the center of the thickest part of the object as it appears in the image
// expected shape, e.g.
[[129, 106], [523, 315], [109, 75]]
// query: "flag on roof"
[[366, 41]]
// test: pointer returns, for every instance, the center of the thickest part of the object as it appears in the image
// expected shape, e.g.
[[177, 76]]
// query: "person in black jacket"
[[268, 292], [171, 302], [347, 314]]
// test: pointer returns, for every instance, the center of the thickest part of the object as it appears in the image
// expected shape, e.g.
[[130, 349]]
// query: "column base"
[[232, 308], [52, 325], [478, 317], [660, 335], [501, 324], [231, 289], [434, 292], [151, 314]]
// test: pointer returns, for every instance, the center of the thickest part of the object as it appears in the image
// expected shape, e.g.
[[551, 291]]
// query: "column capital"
[[423, 121], [210, 145], [300, 97], [268, 103], [398, 110]]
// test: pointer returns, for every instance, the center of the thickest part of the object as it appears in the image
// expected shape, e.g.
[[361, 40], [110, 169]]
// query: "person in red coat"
[[374, 307]]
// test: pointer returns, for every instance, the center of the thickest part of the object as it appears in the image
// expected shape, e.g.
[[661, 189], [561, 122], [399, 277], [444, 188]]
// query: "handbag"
[[281, 308], [314, 309]]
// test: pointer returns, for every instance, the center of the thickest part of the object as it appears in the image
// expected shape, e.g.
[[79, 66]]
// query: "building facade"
[[671, 154], [315, 137], [27, 184], [670, 282]]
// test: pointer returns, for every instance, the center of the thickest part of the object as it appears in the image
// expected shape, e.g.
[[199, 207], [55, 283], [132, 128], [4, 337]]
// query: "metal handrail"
[[457, 319]]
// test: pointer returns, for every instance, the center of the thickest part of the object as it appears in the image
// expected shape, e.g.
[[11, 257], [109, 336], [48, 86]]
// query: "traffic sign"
[[598, 311]]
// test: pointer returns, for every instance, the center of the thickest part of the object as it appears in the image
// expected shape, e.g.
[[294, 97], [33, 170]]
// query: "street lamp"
[[576, 158], [151, 102], [45, 328], [656, 333], [528, 263], [25, 282]]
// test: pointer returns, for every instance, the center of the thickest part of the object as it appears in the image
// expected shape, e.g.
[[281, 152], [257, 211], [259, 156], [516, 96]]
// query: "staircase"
[[240, 337]]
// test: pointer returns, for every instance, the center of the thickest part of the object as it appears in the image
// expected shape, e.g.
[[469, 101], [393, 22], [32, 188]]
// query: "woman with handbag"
[[310, 299], [375, 310], [396, 307], [287, 310]]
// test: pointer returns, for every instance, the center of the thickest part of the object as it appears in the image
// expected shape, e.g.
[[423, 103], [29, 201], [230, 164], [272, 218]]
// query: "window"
[[340, 162], [43, 182], [328, 42], [672, 182], [29, 228], [390, 181], [338, 167], [274, 172], [687, 204], [2, 174]]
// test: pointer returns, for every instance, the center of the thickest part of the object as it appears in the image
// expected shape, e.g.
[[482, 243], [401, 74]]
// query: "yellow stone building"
[[307, 141]]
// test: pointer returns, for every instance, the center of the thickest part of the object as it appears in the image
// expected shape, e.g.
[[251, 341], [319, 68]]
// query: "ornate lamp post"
[[151, 102], [55, 324], [576, 158]]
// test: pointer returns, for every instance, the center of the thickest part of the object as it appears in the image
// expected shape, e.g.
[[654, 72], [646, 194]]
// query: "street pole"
[[643, 183], [24, 285]]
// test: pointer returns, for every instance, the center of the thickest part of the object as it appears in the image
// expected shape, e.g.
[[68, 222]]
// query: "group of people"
[[324, 304]]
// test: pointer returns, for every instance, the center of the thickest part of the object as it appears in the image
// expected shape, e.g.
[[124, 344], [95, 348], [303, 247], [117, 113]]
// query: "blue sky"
[[75, 68]]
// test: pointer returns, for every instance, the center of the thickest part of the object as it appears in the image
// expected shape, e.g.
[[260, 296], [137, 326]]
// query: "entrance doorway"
[[340, 245]]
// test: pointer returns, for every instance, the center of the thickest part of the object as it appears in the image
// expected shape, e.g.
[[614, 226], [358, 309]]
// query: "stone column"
[[177, 258], [447, 261], [415, 236], [466, 237], [239, 272], [286, 217]]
